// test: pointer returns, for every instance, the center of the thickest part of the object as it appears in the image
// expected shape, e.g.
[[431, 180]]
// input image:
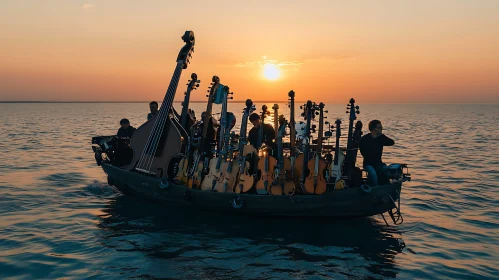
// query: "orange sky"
[[375, 51]]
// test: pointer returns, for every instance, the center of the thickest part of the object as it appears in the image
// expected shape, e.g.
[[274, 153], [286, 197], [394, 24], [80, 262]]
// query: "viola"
[[351, 154], [292, 137], [302, 159], [339, 158], [148, 143]]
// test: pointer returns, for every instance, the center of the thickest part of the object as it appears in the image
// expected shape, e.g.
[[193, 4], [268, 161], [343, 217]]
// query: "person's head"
[[232, 118], [125, 123], [255, 120], [153, 106], [375, 128]]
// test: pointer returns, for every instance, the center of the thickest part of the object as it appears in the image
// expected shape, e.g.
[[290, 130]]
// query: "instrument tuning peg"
[[317, 113], [356, 107], [231, 97], [346, 112], [207, 95], [208, 91], [188, 81], [325, 117], [197, 85], [358, 112], [326, 112]]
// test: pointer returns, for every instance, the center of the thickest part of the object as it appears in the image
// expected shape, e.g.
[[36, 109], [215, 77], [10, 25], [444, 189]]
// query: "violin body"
[[214, 174], [197, 172], [182, 170], [229, 176], [284, 183], [245, 180], [315, 183], [266, 165], [158, 163]]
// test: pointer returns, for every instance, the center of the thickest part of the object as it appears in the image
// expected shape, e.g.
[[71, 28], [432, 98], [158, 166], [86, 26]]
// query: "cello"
[[316, 181], [339, 158], [292, 136], [186, 123], [266, 164], [281, 185], [349, 161], [148, 143], [302, 159], [201, 155], [214, 165], [245, 181]]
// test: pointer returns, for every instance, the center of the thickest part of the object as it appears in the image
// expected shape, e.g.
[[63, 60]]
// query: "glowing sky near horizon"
[[375, 51]]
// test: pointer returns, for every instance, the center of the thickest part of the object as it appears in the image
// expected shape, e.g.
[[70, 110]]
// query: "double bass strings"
[[163, 114]]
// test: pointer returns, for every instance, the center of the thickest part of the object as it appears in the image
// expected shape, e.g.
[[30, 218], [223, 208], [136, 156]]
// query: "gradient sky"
[[375, 51]]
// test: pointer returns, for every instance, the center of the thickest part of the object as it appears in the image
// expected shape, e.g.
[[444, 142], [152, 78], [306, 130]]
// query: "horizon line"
[[241, 101]]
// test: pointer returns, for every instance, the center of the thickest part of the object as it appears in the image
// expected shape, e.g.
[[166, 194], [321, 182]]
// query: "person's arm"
[[362, 146], [387, 141]]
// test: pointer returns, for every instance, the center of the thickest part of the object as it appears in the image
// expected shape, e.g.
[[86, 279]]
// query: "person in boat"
[[196, 132], [268, 133], [231, 118], [153, 106], [371, 147], [126, 130], [124, 153]]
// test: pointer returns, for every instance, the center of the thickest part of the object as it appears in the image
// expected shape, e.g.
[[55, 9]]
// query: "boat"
[[343, 193]]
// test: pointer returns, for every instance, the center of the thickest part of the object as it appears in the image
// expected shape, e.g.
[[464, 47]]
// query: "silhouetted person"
[[124, 153], [153, 106], [126, 130], [254, 134], [371, 147]]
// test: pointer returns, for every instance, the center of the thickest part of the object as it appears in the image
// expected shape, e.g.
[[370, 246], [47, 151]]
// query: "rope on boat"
[[237, 202]]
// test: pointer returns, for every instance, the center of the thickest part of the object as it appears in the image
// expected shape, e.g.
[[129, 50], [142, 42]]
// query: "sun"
[[271, 72]]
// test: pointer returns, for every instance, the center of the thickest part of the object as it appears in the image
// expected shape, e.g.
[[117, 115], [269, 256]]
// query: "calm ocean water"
[[59, 218]]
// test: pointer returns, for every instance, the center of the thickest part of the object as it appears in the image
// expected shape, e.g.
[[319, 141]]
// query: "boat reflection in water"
[[165, 242]]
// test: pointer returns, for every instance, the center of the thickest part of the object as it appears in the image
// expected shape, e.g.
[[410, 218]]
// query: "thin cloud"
[[87, 6], [290, 64]]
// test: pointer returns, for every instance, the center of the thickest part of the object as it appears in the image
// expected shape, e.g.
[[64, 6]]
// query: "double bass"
[[245, 180], [150, 155], [281, 184], [316, 181]]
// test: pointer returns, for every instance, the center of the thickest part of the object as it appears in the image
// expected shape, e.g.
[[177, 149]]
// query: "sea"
[[59, 219]]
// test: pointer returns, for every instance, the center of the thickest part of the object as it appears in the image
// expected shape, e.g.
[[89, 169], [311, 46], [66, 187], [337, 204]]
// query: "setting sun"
[[271, 72]]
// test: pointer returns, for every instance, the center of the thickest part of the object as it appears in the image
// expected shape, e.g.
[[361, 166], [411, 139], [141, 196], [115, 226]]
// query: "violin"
[[266, 163], [302, 159], [148, 143], [315, 182]]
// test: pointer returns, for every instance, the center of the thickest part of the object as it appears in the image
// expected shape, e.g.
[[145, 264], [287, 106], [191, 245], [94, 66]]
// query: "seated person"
[[123, 153], [196, 131], [268, 133], [153, 106], [371, 147], [231, 119]]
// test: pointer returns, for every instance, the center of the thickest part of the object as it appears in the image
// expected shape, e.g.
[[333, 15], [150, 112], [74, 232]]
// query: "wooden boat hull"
[[344, 203]]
